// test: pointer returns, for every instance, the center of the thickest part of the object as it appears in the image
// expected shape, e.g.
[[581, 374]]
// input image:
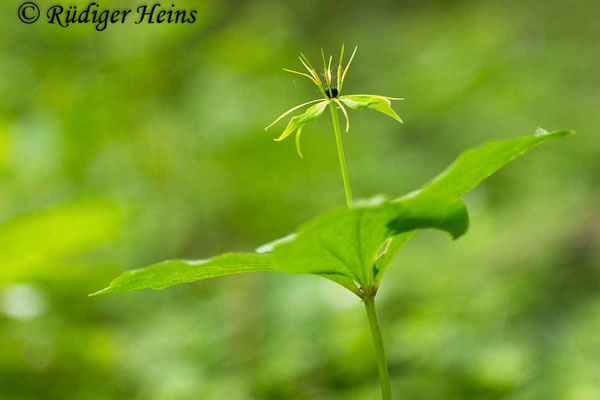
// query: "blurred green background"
[[146, 142]]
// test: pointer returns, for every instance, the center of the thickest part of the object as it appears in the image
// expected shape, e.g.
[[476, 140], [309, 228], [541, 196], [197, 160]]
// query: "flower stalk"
[[340, 151]]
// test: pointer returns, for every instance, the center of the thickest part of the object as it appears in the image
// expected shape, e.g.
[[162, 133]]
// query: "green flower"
[[331, 94]]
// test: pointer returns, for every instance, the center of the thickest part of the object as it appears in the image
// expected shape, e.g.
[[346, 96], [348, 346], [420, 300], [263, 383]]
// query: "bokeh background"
[[146, 142]]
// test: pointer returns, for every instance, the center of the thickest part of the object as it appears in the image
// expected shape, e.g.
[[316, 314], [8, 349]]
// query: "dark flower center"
[[331, 94]]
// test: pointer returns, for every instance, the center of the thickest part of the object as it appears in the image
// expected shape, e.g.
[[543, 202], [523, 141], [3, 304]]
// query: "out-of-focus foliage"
[[145, 142]]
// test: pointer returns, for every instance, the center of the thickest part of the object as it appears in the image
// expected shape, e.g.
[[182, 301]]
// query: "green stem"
[[384, 376], [340, 150]]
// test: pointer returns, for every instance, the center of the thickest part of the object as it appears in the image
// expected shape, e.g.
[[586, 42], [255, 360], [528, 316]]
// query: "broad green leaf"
[[354, 246], [476, 164], [174, 272], [348, 242], [379, 103], [297, 123]]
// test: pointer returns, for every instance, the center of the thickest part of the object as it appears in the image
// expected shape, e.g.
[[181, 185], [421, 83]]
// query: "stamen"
[[327, 80], [348, 66], [339, 69]]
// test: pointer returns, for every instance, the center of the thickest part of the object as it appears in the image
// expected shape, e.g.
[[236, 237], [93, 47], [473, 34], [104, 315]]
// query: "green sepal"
[[379, 103], [297, 122]]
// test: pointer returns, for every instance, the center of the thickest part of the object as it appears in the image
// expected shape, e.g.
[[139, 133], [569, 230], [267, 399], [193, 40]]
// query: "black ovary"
[[333, 94]]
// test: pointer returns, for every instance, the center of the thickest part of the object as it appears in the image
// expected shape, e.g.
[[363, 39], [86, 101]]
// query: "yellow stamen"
[[348, 66], [339, 69], [325, 68]]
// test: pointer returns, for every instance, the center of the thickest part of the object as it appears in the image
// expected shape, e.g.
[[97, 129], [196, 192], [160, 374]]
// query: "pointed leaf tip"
[[476, 164], [173, 272], [99, 292], [557, 133]]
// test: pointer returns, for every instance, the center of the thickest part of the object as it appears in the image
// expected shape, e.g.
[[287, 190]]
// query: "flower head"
[[330, 85]]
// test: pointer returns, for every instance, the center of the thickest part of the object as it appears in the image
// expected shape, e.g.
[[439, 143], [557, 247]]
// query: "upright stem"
[[340, 150], [384, 376], [369, 300]]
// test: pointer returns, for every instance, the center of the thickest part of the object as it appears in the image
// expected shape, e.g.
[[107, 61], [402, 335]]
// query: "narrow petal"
[[298, 146], [290, 111], [339, 103], [303, 58], [301, 73], [310, 69]]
